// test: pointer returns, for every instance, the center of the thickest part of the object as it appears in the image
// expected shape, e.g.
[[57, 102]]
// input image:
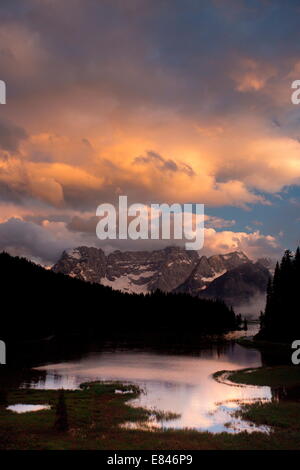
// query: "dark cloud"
[[40, 219], [205, 62], [28, 239], [80, 224], [276, 122], [11, 136], [9, 194], [87, 143], [163, 164], [170, 53]]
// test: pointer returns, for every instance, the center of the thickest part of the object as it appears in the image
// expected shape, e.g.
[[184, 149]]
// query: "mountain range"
[[232, 277], [52, 309]]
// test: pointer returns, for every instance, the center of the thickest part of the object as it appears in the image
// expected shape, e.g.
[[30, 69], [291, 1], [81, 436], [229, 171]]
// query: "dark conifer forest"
[[281, 320], [38, 303]]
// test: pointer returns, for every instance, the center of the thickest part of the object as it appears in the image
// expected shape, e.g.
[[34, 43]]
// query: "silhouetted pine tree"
[[3, 398], [238, 320], [262, 319], [297, 269], [61, 423], [281, 319]]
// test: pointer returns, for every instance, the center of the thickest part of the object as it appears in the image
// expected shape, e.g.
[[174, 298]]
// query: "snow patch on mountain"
[[74, 253], [125, 284], [212, 278]]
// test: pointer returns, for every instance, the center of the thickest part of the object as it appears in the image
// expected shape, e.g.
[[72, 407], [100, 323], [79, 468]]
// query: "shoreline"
[[98, 411]]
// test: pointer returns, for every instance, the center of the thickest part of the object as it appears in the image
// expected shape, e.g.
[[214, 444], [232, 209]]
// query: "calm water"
[[21, 408], [177, 383]]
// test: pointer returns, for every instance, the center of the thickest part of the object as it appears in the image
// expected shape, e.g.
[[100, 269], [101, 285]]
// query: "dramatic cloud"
[[162, 164], [44, 241], [33, 241], [162, 101], [253, 244]]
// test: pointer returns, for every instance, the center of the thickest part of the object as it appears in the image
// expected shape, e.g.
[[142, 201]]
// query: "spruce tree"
[[61, 423], [3, 398], [281, 319]]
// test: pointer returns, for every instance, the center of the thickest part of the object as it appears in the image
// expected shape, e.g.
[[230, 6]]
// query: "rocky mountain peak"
[[170, 269], [209, 269], [130, 271], [86, 263]]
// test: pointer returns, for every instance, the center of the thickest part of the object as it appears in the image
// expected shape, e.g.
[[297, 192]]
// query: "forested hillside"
[[39, 303]]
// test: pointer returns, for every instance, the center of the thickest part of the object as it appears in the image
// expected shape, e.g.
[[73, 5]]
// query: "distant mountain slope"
[[239, 285], [209, 269]]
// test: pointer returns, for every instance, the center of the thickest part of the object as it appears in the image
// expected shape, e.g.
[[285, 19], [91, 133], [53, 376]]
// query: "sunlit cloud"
[[187, 104]]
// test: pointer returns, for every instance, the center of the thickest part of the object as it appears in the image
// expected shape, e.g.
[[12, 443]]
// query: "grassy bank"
[[281, 416], [95, 413], [279, 376], [283, 412]]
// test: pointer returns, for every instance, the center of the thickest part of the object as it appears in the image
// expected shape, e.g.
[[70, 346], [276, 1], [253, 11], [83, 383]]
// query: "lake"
[[180, 383]]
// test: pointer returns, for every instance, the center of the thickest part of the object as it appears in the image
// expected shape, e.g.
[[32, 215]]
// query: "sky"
[[164, 101]]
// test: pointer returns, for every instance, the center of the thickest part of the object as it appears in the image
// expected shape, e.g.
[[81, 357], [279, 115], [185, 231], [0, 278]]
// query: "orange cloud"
[[253, 244], [250, 75]]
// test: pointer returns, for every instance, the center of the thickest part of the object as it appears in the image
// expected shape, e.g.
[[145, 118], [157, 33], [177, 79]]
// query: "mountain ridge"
[[172, 269]]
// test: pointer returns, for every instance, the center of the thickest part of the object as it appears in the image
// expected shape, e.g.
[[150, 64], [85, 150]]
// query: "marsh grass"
[[96, 413], [279, 376]]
